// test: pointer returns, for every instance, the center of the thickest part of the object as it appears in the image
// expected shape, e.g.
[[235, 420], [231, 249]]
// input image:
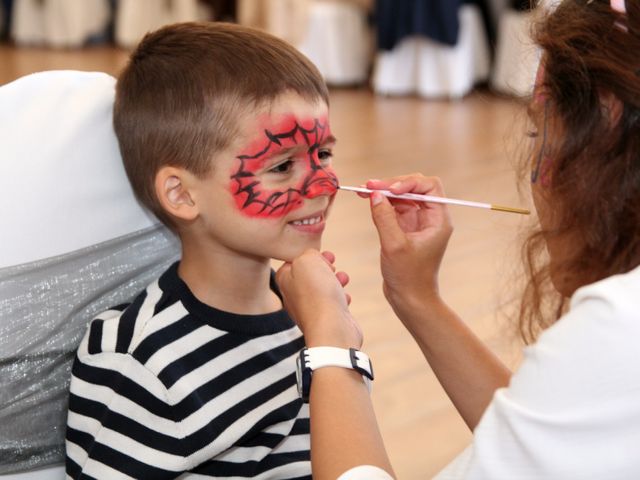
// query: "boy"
[[224, 134]]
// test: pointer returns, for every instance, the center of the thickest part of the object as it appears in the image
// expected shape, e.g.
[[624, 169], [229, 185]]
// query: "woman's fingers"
[[330, 256], [343, 278], [414, 183], [323, 315], [285, 274], [363, 195], [386, 222]]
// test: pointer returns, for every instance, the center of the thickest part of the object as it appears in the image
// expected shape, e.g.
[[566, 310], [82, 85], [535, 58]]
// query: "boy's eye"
[[532, 134], [283, 167], [325, 154]]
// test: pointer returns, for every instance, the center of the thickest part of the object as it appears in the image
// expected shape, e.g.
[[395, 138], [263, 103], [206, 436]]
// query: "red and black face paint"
[[541, 169], [542, 166], [254, 200]]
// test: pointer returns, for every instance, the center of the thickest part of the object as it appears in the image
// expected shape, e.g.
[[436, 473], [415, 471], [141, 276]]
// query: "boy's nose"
[[322, 182]]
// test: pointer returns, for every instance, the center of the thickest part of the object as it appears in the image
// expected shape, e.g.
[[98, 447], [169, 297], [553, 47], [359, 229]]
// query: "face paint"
[[542, 166], [256, 201], [538, 90], [541, 170]]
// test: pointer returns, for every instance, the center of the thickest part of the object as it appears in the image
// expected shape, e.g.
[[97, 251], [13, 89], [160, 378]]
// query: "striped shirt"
[[170, 387]]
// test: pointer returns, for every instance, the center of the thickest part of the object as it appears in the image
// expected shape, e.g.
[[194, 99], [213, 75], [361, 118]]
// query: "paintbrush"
[[432, 199]]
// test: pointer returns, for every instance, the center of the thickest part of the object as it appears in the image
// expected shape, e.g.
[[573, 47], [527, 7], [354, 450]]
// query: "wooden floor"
[[467, 144]]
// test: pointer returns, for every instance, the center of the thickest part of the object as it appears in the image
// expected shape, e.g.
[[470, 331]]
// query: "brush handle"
[[418, 197], [432, 199]]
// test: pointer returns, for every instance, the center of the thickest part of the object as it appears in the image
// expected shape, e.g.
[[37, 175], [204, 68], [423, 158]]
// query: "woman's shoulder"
[[616, 297], [603, 317], [576, 394], [592, 345]]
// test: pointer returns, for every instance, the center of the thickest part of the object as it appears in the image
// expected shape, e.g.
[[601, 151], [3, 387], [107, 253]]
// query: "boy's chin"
[[292, 252]]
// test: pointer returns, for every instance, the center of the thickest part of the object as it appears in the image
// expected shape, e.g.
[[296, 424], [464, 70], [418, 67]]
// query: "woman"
[[572, 409]]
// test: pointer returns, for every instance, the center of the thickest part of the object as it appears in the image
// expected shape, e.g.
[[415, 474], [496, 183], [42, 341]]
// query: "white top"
[[365, 472], [572, 410]]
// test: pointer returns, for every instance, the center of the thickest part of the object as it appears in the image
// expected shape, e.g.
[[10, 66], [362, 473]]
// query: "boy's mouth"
[[313, 223], [308, 221]]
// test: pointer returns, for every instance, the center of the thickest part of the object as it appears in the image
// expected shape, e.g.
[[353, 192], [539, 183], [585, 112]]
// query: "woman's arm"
[[344, 430], [413, 239], [467, 370]]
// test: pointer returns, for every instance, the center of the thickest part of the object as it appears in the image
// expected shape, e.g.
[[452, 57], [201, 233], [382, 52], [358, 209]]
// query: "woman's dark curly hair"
[[590, 53]]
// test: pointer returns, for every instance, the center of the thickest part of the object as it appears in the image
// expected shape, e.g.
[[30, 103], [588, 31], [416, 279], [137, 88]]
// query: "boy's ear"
[[172, 190]]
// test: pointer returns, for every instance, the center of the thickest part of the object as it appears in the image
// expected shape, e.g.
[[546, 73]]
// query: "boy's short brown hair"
[[178, 99]]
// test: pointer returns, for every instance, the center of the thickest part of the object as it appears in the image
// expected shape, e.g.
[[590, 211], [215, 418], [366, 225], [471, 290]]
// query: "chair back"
[[73, 242]]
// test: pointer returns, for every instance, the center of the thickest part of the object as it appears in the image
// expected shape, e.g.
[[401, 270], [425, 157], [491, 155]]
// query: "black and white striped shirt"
[[170, 387]]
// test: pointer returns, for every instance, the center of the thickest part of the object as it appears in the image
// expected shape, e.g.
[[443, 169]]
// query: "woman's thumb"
[[385, 220]]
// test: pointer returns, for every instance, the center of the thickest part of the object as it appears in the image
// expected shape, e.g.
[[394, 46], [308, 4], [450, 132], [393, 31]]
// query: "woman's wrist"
[[329, 340], [333, 329], [408, 301], [339, 374], [415, 311]]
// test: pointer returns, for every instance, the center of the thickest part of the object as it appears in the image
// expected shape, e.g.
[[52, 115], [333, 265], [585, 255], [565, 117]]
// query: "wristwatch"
[[313, 358]]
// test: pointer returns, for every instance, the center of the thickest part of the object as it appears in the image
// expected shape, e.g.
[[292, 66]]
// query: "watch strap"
[[318, 357]]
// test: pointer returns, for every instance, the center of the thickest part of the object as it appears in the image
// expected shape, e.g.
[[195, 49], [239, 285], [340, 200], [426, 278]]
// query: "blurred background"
[[434, 86], [431, 48]]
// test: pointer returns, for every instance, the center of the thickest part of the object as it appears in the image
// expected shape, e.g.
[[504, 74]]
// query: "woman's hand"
[[413, 239], [315, 298]]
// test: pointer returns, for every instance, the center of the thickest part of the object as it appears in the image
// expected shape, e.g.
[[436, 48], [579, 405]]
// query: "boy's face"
[[269, 194]]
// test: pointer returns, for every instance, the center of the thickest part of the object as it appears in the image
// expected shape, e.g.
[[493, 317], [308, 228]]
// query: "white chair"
[[333, 34], [59, 23], [74, 242], [338, 41], [517, 57], [421, 66], [134, 18], [286, 19]]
